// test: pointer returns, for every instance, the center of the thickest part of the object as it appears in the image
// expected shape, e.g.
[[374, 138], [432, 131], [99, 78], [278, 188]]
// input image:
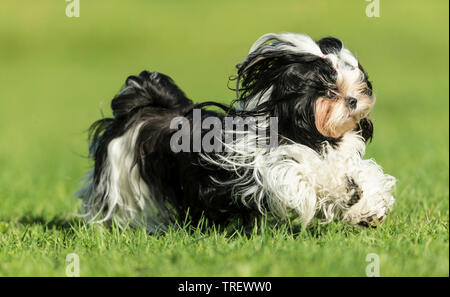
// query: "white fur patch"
[[122, 196]]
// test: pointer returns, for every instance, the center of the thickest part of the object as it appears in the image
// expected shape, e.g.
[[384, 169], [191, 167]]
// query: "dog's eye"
[[331, 94], [367, 92]]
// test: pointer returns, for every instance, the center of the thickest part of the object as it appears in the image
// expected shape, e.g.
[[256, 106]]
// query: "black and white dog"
[[321, 100]]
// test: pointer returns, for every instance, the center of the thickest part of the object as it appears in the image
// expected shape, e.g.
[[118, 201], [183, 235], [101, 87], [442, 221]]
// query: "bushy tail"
[[148, 89]]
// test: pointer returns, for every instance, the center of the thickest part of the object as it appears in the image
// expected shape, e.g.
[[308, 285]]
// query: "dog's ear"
[[330, 45], [365, 127]]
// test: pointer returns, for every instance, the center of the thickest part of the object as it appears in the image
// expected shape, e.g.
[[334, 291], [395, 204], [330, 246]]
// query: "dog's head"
[[318, 90]]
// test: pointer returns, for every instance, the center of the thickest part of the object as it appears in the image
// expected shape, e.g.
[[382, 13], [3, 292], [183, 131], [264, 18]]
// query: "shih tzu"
[[158, 161]]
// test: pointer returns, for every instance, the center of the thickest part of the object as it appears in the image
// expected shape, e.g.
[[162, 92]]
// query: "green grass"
[[56, 73]]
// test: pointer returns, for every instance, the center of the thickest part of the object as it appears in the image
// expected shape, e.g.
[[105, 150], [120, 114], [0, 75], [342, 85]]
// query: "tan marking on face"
[[326, 112], [322, 115]]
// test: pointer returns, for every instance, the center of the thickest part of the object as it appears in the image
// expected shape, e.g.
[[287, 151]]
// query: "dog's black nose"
[[352, 101]]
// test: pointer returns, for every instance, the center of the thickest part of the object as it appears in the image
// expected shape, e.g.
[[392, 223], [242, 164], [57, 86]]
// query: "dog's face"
[[346, 101], [318, 91]]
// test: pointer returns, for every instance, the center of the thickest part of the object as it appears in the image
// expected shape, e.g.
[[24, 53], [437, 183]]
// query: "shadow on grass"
[[269, 226], [58, 223], [263, 225]]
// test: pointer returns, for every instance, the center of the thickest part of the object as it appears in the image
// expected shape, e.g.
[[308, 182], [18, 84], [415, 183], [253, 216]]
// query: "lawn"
[[58, 73]]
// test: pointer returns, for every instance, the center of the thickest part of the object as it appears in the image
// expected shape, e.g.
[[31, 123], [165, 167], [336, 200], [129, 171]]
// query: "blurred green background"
[[57, 73]]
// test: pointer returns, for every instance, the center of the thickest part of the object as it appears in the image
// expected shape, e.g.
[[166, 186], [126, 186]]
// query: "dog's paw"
[[354, 191]]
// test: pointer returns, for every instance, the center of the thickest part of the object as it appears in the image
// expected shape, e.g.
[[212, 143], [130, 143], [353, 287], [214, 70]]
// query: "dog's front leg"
[[288, 185], [371, 193]]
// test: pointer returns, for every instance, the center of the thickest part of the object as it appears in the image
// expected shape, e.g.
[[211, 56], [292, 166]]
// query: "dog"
[[314, 96]]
